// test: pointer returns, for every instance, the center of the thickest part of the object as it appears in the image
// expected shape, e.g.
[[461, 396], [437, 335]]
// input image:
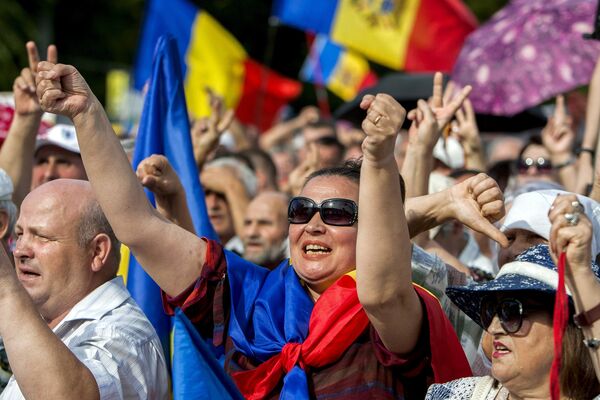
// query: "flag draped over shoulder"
[[343, 71], [212, 57], [164, 129], [411, 35], [196, 372]]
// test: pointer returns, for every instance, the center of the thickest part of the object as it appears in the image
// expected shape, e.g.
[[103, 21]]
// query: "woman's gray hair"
[[244, 173]]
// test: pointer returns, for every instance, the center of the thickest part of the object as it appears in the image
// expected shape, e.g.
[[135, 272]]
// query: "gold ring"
[[377, 119]]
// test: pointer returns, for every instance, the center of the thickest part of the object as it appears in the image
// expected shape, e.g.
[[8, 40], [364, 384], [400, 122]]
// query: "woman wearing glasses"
[[516, 310], [341, 320]]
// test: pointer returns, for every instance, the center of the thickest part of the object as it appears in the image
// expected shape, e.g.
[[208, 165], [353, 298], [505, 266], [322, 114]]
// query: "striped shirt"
[[434, 275], [111, 336]]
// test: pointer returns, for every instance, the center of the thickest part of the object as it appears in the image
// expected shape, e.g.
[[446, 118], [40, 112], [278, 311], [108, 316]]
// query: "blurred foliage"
[[484, 9], [97, 36]]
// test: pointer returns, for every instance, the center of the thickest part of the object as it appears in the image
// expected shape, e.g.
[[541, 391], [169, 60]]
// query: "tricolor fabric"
[[211, 57], [164, 129], [411, 35], [342, 71], [274, 321]]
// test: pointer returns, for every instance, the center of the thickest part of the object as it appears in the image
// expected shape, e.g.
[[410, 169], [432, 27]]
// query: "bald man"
[[265, 229], [93, 341]]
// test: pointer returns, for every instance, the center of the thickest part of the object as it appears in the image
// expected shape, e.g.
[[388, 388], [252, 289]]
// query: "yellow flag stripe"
[[124, 264], [382, 36], [214, 59]]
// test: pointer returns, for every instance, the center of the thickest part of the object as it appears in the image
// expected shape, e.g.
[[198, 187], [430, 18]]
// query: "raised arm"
[[16, 154], [284, 131], [558, 138], [575, 240], [158, 244], [383, 250], [476, 202], [156, 174]]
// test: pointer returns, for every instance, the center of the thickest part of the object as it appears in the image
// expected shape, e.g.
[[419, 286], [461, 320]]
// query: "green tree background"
[[97, 36]]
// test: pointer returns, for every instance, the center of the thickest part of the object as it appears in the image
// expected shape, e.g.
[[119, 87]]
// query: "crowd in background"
[[478, 220]]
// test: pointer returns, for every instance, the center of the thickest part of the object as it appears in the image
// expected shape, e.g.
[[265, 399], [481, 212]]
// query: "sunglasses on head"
[[337, 212], [540, 163], [510, 312]]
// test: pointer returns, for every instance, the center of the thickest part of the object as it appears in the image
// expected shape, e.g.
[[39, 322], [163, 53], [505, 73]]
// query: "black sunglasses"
[[509, 311], [337, 212], [541, 164]]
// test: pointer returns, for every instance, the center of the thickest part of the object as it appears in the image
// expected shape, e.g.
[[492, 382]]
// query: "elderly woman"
[[341, 319], [516, 309]]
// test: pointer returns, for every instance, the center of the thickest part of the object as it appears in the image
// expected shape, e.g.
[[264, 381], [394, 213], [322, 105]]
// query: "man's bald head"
[[74, 200], [65, 247]]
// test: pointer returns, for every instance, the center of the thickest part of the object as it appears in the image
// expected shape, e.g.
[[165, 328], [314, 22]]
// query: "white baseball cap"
[[60, 135], [529, 211]]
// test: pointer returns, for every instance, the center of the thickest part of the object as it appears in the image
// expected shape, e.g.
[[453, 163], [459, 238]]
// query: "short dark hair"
[[260, 159], [322, 123], [351, 170], [534, 139], [93, 222]]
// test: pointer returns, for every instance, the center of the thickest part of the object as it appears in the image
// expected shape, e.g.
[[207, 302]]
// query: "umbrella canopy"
[[408, 88], [529, 51]]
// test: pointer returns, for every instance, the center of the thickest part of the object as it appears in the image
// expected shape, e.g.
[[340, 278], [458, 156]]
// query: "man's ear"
[[3, 223], [100, 247]]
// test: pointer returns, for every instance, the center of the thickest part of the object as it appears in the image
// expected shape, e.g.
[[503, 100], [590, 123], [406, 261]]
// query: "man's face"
[[220, 215], [53, 162], [49, 262], [265, 229], [330, 153]]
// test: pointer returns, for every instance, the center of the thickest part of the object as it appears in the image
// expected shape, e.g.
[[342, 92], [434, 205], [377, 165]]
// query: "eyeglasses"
[[541, 164], [337, 212], [509, 311]]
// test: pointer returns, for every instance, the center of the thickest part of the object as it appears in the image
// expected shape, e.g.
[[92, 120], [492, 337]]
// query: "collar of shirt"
[[101, 300]]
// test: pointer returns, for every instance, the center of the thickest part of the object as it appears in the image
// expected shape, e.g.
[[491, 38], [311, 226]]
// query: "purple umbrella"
[[527, 53]]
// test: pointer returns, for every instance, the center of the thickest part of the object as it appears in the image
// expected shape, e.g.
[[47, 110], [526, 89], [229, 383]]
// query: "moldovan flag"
[[411, 35], [344, 72], [164, 129], [213, 58]]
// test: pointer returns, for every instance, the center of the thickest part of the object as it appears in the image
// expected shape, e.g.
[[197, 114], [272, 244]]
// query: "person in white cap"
[[57, 156]]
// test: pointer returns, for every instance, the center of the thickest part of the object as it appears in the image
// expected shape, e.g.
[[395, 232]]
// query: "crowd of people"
[[351, 261]]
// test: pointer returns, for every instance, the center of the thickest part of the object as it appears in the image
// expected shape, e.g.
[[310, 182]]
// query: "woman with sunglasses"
[[341, 320], [516, 310]]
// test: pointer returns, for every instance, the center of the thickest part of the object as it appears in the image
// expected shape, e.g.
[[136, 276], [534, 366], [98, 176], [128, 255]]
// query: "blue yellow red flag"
[[164, 129], [212, 57], [342, 71], [412, 35]]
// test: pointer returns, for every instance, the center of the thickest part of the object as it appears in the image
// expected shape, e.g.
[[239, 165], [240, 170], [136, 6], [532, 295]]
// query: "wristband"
[[570, 161], [585, 150], [587, 318]]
